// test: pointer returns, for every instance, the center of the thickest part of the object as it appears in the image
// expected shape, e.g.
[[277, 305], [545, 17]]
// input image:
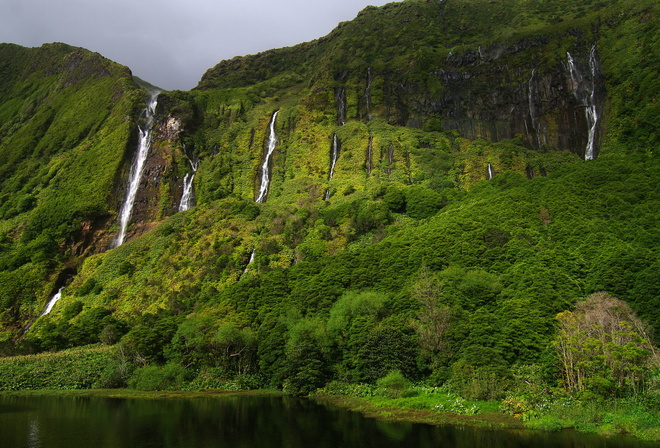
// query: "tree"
[[306, 357], [433, 319], [603, 347]]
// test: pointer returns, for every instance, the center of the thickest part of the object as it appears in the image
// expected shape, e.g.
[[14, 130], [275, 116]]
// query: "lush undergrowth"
[[604, 417], [78, 368], [395, 398], [391, 397]]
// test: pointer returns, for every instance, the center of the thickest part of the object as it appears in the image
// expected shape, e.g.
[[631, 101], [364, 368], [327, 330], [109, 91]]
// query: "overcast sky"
[[171, 43]]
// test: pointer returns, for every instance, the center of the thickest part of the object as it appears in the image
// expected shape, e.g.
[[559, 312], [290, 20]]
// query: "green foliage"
[[394, 384], [422, 203], [603, 348], [78, 368], [397, 392], [150, 378], [147, 340]]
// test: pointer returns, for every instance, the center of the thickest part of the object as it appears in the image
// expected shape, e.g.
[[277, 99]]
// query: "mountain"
[[297, 209]]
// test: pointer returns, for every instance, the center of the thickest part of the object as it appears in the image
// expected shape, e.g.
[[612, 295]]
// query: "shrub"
[[394, 384], [150, 378]]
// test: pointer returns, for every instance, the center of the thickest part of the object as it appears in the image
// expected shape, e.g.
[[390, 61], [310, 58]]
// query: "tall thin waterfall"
[[585, 93], [138, 166], [536, 128], [52, 302], [334, 154], [490, 171], [265, 166], [390, 158], [370, 149], [367, 94], [340, 99], [247, 267], [590, 111], [188, 196]]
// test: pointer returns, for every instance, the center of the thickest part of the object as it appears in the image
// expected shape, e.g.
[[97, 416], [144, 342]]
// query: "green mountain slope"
[[65, 119], [429, 169]]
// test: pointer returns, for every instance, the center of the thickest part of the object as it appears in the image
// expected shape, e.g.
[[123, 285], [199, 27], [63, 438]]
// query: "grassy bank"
[[555, 411], [138, 394], [397, 410], [606, 417]]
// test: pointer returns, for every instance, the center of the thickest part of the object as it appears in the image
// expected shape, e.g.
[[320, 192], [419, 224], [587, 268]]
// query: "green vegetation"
[[536, 288], [79, 368]]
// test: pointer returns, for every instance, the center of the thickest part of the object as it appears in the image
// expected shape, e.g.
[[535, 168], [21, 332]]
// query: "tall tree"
[[603, 347]]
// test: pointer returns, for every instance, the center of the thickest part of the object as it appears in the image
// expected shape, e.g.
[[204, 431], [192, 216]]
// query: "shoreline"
[[485, 420], [491, 420], [137, 394]]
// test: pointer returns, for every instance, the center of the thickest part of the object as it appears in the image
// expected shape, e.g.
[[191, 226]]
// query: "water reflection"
[[34, 440], [244, 421]]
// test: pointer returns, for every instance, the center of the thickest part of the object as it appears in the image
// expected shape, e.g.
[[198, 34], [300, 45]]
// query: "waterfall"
[[370, 149], [532, 112], [390, 159], [247, 267], [407, 156], [138, 166], [52, 302], [265, 166], [340, 98], [590, 111], [367, 94], [530, 172], [334, 154], [586, 95], [490, 171], [188, 196]]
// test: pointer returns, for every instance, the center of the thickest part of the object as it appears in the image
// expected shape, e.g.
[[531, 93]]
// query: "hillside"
[[424, 189]]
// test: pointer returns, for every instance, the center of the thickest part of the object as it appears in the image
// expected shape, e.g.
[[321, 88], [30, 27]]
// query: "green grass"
[[603, 417]]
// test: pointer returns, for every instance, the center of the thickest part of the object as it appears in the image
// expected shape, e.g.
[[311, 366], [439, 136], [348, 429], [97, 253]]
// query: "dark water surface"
[[242, 421]]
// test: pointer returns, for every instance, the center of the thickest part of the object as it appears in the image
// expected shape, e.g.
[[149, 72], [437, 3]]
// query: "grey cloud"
[[171, 43]]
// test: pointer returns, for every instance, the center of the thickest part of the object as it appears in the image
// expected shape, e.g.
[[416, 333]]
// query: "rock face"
[[497, 93], [161, 185]]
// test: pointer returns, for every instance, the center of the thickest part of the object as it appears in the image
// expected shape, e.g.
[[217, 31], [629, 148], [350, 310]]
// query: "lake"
[[243, 421]]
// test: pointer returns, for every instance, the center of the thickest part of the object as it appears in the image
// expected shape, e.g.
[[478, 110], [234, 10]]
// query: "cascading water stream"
[[370, 149], [367, 94], [188, 196], [490, 171], [590, 111], [138, 166], [340, 98], [390, 159], [265, 166], [586, 95], [247, 268], [532, 111], [333, 161], [52, 302]]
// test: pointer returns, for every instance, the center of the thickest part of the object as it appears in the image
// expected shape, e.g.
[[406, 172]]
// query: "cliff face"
[[160, 188], [525, 89], [415, 62], [503, 91]]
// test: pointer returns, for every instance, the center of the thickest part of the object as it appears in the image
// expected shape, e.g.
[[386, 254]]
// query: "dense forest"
[[456, 193]]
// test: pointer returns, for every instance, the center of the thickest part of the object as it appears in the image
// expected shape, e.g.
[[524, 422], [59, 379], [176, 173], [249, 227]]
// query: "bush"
[[116, 374], [394, 384], [151, 378]]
